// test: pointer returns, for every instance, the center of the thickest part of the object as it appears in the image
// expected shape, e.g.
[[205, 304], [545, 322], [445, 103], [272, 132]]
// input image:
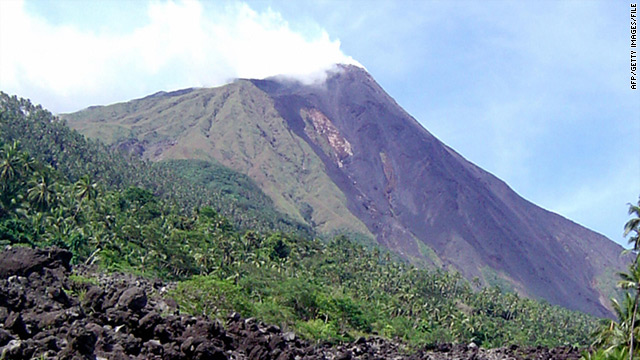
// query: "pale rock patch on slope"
[[326, 135]]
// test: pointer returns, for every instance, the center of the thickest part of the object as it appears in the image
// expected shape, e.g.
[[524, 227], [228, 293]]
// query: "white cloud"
[[180, 44]]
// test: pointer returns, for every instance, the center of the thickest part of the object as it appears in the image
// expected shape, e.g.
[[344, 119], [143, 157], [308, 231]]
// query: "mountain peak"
[[342, 155], [318, 78]]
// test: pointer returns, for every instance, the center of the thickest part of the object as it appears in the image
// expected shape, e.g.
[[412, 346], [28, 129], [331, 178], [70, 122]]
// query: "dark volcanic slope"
[[409, 188], [343, 155]]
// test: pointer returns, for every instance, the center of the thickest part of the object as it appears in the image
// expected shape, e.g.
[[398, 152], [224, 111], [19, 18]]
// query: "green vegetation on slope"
[[340, 291], [233, 195], [326, 292], [331, 291], [238, 126], [188, 184]]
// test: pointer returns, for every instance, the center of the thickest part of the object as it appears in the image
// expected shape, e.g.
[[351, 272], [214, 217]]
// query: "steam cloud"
[[179, 45]]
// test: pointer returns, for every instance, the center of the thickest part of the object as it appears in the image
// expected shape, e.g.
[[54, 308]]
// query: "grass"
[[83, 280], [237, 126]]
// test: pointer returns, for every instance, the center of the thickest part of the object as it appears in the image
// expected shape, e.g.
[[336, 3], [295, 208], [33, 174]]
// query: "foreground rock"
[[46, 315]]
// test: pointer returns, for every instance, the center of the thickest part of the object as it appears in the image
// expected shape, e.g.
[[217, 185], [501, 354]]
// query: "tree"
[[9, 162], [41, 193], [613, 337], [26, 162], [85, 188], [632, 227], [631, 280], [614, 334]]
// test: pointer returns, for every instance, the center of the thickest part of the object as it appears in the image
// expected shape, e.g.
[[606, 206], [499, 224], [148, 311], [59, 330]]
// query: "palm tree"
[[26, 162], [41, 191], [631, 281], [9, 161], [613, 334], [633, 225], [85, 188]]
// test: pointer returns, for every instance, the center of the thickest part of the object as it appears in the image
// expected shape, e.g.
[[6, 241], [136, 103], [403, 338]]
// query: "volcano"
[[343, 156]]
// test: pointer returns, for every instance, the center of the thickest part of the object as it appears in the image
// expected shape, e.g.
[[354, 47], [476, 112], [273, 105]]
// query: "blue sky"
[[535, 92]]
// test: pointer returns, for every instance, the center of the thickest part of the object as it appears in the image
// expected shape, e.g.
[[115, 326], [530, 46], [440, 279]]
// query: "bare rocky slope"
[[48, 312], [343, 155]]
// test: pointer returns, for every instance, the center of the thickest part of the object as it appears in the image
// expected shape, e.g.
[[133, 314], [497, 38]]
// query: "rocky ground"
[[48, 313]]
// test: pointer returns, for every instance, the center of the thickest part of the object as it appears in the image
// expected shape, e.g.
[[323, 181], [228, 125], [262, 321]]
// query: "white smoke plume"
[[178, 45]]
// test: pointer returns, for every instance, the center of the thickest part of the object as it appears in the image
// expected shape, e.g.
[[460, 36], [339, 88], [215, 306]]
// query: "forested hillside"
[[62, 195], [188, 184]]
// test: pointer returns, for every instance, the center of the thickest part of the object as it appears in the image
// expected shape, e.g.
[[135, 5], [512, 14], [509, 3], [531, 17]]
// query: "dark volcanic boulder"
[[24, 261], [133, 298]]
